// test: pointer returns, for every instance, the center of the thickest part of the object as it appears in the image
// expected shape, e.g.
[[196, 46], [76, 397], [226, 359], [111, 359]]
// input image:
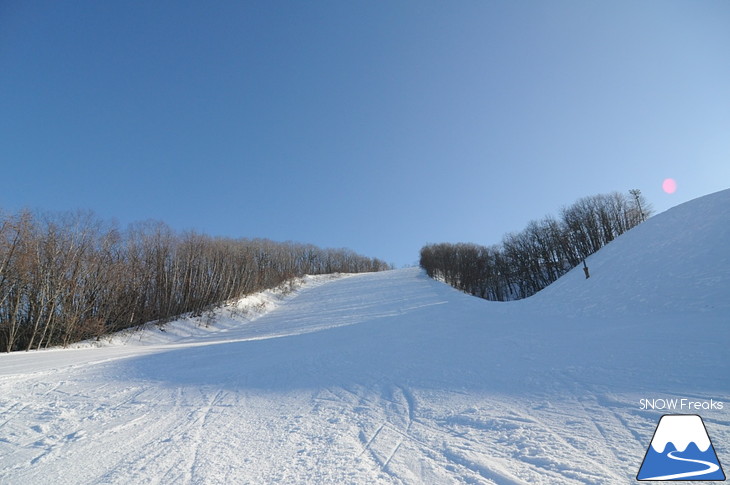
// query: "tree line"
[[528, 261], [69, 277]]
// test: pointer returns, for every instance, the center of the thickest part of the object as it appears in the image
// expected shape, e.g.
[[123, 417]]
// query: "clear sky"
[[376, 126]]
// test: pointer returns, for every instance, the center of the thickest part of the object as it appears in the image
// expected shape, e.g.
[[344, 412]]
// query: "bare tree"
[[527, 261], [67, 277]]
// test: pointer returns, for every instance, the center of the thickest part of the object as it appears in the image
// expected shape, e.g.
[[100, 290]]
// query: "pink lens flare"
[[669, 186]]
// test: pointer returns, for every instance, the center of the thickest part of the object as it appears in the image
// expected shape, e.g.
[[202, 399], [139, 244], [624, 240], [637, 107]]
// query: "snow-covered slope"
[[677, 261], [395, 378]]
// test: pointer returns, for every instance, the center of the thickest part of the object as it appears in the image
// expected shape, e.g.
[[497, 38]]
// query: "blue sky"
[[377, 126]]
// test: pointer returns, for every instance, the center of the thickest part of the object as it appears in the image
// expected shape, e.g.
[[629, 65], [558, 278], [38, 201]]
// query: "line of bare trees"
[[528, 261], [69, 277]]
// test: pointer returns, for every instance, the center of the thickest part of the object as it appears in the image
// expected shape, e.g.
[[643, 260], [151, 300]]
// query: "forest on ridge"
[[528, 261], [71, 276]]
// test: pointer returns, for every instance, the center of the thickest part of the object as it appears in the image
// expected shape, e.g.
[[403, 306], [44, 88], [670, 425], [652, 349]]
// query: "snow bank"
[[213, 323], [676, 262]]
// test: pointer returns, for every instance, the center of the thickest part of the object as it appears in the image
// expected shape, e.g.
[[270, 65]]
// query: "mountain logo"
[[680, 450]]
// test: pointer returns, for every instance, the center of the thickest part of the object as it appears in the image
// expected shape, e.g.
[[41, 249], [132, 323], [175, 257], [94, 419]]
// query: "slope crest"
[[677, 261]]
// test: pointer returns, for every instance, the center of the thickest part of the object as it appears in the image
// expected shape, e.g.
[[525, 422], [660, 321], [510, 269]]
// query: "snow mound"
[[675, 262]]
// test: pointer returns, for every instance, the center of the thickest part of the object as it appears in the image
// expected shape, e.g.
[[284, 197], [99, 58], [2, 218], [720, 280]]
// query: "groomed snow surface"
[[395, 378]]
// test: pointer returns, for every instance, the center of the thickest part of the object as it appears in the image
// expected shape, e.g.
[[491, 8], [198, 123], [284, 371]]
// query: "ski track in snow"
[[386, 378]]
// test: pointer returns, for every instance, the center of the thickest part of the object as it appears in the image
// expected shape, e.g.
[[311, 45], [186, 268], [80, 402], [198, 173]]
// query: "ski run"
[[390, 378]]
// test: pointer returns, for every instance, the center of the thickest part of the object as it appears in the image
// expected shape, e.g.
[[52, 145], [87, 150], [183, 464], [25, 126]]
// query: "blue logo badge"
[[681, 450]]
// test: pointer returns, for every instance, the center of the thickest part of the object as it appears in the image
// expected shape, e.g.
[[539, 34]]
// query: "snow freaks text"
[[677, 404]]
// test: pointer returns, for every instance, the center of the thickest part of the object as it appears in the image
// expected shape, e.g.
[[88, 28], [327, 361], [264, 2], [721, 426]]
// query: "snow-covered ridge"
[[676, 262]]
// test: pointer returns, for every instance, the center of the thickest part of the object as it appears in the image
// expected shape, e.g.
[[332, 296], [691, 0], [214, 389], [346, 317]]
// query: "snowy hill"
[[395, 378], [677, 261]]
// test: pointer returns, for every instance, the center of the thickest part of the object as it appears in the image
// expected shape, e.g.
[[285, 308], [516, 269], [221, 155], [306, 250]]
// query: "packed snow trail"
[[391, 378]]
